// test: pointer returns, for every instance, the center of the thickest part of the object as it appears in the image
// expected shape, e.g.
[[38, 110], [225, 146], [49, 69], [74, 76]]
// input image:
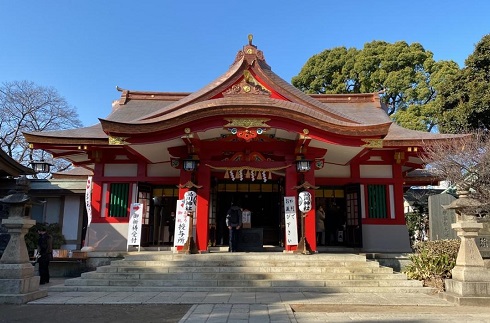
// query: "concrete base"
[[466, 300], [470, 274], [18, 284], [479, 289], [474, 293], [22, 298]]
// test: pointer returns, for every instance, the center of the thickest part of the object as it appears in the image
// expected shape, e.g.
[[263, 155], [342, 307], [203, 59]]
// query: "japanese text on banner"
[[134, 225], [290, 220], [181, 224]]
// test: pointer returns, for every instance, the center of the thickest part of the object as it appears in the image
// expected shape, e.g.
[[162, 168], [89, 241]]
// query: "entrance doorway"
[[264, 201], [342, 215]]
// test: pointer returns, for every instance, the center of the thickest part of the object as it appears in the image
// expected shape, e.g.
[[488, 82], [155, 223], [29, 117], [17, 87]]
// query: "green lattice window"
[[119, 200], [377, 202]]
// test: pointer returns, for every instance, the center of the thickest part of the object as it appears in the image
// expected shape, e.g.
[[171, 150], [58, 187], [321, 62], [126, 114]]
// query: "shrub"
[[54, 229], [433, 261]]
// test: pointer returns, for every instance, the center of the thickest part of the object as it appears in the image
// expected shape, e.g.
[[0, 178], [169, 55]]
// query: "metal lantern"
[[190, 164], [41, 166], [303, 165]]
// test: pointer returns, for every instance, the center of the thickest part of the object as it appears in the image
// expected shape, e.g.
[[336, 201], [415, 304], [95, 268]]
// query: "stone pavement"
[[276, 307]]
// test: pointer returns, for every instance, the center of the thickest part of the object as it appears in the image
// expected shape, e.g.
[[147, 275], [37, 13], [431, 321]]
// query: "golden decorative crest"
[[117, 140], [373, 143], [247, 123], [248, 85]]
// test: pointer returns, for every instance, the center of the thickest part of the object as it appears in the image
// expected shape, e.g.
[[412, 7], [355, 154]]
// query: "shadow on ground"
[[123, 313]]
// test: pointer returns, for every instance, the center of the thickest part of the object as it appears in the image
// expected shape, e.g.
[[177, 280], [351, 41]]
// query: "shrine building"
[[249, 138]]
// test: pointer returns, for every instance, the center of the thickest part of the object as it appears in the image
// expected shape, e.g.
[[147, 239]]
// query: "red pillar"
[[310, 221], [202, 214], [97, 191]]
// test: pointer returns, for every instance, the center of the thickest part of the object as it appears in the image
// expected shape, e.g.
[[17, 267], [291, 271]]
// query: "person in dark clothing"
[[45, 252], [234, 222], [171, 227]]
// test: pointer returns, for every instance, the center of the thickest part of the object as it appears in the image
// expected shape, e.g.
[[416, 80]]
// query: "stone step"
[[244, 272], [275, 289], [243, 263], [182, 269], [162, 256], [242, 283], [244, 276]]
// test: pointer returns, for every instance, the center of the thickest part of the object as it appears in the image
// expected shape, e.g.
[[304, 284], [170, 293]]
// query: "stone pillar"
[[18, 284], [470, 283]]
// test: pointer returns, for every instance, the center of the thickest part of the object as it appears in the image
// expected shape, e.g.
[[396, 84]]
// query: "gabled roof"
[[250, 88]]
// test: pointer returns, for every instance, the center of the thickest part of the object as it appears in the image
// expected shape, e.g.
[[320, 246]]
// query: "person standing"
[[171, 227], [234, 222], [320, 224], [45, 252]]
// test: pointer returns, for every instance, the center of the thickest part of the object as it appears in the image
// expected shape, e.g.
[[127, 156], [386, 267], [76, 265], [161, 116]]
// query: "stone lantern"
[[470, 283], [18, 284]]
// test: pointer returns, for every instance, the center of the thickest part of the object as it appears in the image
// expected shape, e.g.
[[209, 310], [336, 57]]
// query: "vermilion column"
[[310, 221], [202, 214]]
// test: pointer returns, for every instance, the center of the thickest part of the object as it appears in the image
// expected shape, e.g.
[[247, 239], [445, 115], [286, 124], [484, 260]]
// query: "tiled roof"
[[75, 172], [139, 112], [398, 135]]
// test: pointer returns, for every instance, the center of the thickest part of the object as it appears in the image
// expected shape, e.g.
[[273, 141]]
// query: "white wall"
[[71, 221], [123, 170], [376, 171]]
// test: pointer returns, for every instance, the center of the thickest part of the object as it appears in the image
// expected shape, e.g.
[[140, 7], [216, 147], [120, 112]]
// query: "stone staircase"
[[244, 272]]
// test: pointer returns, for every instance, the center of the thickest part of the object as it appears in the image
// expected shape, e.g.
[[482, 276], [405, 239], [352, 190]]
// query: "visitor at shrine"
[[171, 226], [45, 252], [320, 224], [234, 222]]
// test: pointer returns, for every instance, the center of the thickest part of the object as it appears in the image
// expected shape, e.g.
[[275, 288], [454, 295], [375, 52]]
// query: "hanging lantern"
[[190, 164], [41, 166], [303, 165]]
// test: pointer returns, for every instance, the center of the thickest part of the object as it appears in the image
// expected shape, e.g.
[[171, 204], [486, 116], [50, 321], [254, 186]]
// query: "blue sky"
[[85, 48]]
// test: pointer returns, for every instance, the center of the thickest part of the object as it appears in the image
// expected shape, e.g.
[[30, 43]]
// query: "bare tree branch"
[[27, 107]]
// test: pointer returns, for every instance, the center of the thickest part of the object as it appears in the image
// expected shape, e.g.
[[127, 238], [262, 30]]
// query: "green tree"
[[466, 98], [27, 107], [406, 76]]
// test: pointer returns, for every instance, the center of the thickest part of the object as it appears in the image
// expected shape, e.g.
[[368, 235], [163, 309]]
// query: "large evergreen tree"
[[406, 75], [466, 98]]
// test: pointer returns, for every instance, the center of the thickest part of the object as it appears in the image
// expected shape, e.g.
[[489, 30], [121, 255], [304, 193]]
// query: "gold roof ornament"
[[250, 38]]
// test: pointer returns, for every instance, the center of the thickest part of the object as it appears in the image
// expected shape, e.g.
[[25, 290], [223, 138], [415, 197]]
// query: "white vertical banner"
[[88, 200], [181, 224], [291, 222], [134, 225]]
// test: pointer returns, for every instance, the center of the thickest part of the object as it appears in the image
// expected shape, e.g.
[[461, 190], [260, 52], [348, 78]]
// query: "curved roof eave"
[[87, 135], [399, 136], [245, 105]]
